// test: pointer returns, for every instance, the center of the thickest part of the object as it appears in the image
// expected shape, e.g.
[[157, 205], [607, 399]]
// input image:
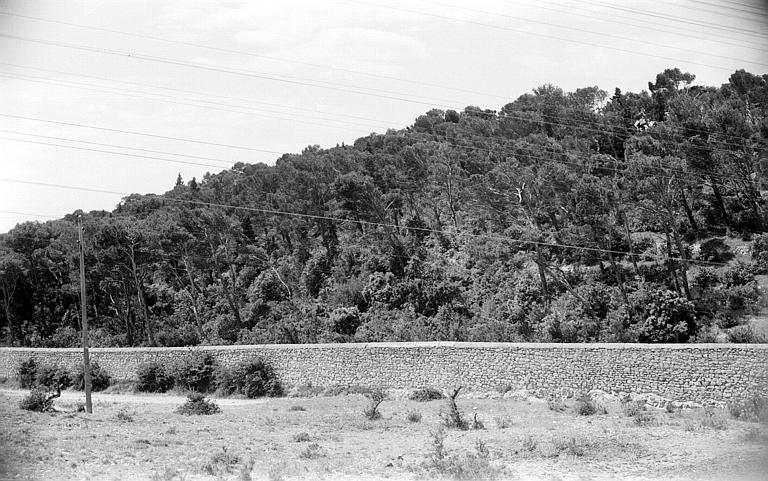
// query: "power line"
[[352, 221], [173, 100], [243, 52], [229, 162], [592, 32], [526, 32], [195, 92], [558, 8], [125, 154], [234, 72], [145, 134]]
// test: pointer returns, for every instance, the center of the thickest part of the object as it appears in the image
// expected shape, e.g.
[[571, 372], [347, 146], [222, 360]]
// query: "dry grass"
[[264, 439]]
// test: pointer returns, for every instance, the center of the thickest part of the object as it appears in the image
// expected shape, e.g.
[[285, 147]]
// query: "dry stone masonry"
[[680, 372]]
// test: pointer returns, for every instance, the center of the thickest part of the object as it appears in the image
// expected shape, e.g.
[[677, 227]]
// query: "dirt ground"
[[140, 437]]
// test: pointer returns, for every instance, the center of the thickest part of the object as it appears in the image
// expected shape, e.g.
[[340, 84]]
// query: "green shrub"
[[26, 373], [752, 409], [745, 335], [585, 406], [38, 401], [52, 378], [252, 379], [195, 371], [301, 437], [153, 377], [197, 405], [426, 394], [633, 408], [99, 378]]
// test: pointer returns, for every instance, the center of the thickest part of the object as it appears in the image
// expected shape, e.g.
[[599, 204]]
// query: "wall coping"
[[409, 345]]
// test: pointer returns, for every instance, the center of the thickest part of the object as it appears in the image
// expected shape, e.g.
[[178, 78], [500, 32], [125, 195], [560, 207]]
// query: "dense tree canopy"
[[564, 216]]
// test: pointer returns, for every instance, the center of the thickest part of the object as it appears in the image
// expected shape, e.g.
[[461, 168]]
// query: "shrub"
[[301, 438], [297, 408], [375, 397], [52, 378], [221, 462], [27, 373], [710, 418], [470, 466], [413, 416], [195, 371], [426, 394], [124, 416], [745, 335], [313, 451], [556, 404], [153, 377], [633, 408], [253, 379], [667, 317], [646, 418], [751, 409], [197, 405], [585, 406], [38, 401], [99, 378]]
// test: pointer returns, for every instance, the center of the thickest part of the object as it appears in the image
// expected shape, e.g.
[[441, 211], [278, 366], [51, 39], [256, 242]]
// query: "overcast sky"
[[258, 78]]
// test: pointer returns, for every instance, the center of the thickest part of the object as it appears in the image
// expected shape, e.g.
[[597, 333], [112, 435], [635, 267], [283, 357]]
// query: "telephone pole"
[[84, 310]]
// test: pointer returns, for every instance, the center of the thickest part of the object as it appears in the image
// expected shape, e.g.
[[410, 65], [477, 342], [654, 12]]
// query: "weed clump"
[[585, 406], [426, 394], [222, 462], [297, 407], [375, 398], [301, 437], [313, 451], [39, 401], [124, 416], [99, 378], [153, 377], [752, 409], [556, 404], [30, 375], [470, 466], [197, 405], [413, 416]]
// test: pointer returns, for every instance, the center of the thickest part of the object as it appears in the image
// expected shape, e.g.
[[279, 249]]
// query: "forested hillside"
[[564, 216]]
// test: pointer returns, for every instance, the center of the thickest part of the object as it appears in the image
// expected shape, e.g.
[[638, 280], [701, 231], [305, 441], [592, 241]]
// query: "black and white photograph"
[[369, 240]]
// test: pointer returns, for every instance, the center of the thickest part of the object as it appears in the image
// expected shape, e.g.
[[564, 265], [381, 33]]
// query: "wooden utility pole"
[[84, 313]]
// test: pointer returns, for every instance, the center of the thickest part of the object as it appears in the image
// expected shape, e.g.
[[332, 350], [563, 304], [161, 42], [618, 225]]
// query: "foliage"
[[194, 371], [252, 379], [453, 418], [26, 373], [753, 408], [196, 404], [426, 394], [100, 378], [467, 466], [38, 401], [745, 335], [560, 216], [153, 377], [52, 378]]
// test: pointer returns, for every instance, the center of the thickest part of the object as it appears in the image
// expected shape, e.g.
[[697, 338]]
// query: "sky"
[[100, 99]]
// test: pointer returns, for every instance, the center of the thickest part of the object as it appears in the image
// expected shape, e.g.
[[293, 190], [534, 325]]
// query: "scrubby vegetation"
[[563, 216], [99, 378], [196, 404]]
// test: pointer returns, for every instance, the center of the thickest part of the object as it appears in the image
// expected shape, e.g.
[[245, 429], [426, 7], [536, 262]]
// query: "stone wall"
[[682, 372]]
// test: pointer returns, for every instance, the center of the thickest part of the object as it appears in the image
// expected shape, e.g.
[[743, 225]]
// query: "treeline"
[[565, 216]]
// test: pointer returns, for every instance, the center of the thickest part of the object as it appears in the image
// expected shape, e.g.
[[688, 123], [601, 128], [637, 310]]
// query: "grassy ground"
[[140, 437]]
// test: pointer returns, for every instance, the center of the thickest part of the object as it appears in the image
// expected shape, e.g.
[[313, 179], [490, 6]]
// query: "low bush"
[[38, 401], [252, 379], [99, 378], [713, 419], [413, 416], [301, 437], [633, 408], [426, 394], [194, 371], [752, 409], [313, 451], [585, 406], [26, 373], [222, 462], [646, 419], [52, 378], [197, 405], [153, 377], [297, 408], [470, 466], [745, 335]]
